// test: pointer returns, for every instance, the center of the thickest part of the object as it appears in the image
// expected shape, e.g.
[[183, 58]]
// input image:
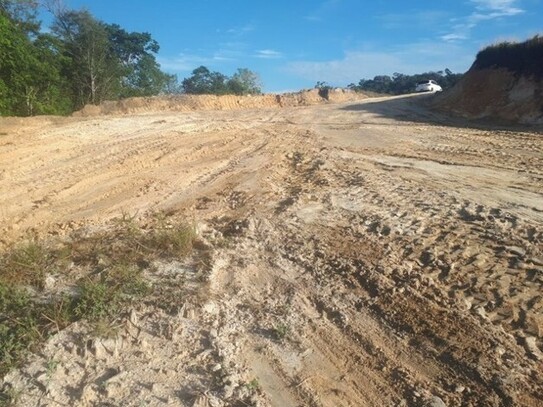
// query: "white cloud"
[[485, 10], [351, 68], [410, 59], [228, 52], [241, 31], [454, 37], [504, 7], [188, 62], [268, 54]]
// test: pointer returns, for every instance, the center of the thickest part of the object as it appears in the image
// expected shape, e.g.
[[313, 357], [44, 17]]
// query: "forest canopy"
[[82, 60]]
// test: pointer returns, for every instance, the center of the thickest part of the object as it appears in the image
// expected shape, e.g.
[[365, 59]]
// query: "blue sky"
[[293, 44]]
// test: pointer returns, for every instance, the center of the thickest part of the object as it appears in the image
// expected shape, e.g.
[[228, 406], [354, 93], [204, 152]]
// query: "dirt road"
[[364, 254]]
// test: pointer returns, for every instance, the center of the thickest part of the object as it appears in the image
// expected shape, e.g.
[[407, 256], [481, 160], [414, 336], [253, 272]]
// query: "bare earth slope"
[[361, 256], [495, 94]]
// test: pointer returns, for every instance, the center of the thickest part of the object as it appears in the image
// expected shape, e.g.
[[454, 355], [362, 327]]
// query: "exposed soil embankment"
[[184, 103], [504, 84], [496, 93]]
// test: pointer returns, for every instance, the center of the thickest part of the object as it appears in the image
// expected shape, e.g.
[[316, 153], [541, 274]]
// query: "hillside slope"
[[504, 84]]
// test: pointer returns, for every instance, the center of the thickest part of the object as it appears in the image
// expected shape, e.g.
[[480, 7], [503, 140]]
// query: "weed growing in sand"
[[112, 263], [281, 331], [25, 322], [253, 385], [28, 264], [129, 243], [9, 397], [283, 310], [59, 313], [50, 368], [96, 300], [19, 325], [107, 294], [171, 241]]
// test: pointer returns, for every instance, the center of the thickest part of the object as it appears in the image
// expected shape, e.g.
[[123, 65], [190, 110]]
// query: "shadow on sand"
[[418, 108]]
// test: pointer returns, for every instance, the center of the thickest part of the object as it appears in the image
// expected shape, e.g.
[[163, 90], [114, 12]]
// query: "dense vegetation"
[[84, 60], [524, 58], [203, 81], [399, 83]]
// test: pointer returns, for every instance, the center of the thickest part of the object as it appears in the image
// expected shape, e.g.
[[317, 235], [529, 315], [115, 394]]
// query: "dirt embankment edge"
[[496, 94], [183, 103]]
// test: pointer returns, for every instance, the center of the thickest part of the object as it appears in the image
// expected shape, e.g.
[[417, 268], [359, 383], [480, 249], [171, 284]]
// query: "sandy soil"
[[497, 94], [362, 254]]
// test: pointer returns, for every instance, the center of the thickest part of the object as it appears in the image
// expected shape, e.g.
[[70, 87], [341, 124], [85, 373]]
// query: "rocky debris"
[[519, 251], [532, 348], [435, 402]]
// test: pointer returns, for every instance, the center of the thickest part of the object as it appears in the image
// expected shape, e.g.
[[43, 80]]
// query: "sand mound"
[[183, 103], [497, 94]]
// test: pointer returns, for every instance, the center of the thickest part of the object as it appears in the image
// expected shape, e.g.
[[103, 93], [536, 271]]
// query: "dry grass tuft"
[[113, 261]]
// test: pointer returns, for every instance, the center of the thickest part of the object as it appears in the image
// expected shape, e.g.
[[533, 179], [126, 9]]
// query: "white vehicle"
[[428, 86]]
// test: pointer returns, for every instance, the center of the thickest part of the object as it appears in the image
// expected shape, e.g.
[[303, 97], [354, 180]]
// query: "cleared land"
[[362, 254]]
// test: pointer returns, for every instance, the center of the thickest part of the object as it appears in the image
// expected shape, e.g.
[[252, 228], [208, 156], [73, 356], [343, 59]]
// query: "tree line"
[[399, 83], [203, 81], [83, 60]]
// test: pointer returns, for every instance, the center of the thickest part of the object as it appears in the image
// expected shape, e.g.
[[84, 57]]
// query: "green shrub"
[[175, 241], [113, 261], [523, 58], [96, 300], [281, 331], [29, 263], [19, 326]]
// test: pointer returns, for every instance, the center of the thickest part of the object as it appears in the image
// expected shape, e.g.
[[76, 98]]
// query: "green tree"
[[322, 85], [30, 80], [16, 60], [30, 77], [22, 13], [203, 81], [141, 74], [90, 64], [82, 61], [244, 82], [13, 49], [147, 79], [53, 88]]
